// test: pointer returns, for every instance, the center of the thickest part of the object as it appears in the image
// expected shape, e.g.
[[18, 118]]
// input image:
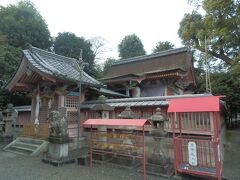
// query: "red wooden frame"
[[115, 123], [209, 160]]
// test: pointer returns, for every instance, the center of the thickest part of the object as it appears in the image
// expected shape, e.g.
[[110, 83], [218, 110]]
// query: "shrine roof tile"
[[57, 65]]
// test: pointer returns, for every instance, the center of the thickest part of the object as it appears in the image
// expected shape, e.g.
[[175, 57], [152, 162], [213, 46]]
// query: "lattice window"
[[72, 117], [71, 101]]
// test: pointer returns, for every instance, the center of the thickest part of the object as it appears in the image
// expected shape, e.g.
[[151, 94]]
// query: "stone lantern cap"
[[102, 106], [158, 117], [9, 109], [127, 114]]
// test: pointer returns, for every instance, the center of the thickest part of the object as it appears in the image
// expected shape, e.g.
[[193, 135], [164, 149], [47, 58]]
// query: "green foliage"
[[9, 60], [68, 44], [23, 24], [19, 24], [229, 84], [220, 26], [163, 46], [131, 46], [222, 83], [107, 64]]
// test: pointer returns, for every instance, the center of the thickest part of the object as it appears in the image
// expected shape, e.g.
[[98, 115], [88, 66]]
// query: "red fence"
[[207, 156]]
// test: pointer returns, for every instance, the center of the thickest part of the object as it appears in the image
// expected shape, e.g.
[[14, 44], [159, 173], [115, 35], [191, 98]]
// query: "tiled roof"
[[170, 60], [57, 65], [141, 101], [150, 56]]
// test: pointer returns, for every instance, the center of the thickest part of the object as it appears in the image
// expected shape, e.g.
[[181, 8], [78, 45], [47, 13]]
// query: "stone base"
[[160, 170], [104, 157], [58, 154], [57, 151], [55, 162], [83, 160], [6, 138], [126, 162], [59, 140]]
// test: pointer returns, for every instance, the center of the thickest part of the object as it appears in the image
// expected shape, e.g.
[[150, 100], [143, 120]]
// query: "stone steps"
[[27, 146]]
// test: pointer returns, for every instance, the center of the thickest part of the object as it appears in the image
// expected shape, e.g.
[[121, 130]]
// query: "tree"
[[9, 61], [19, 24], [107, 64], [131, 46], [163, 46], [68, 44], [99, 47], [22, 23], [220, 26]]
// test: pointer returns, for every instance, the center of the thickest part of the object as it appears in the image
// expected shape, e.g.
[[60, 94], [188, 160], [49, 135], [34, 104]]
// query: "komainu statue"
[[58, 123]]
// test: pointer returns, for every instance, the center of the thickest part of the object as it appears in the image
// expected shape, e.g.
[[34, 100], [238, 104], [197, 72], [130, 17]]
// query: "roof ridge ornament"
[[29, 47]]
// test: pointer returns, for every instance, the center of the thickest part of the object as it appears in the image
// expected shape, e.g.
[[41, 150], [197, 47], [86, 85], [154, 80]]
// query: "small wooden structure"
[[114, 141], [197, 154]]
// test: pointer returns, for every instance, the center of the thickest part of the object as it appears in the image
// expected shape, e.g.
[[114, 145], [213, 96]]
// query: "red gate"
[[197, 154]]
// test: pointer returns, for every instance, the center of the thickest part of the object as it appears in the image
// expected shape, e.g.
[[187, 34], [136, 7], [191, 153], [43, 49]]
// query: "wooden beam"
[[23, 85], [49, 79]]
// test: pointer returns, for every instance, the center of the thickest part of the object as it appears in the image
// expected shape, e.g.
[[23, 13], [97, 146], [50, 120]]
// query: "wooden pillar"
[[166, 89], [33, 106], [82, 97], [60, 101], [127, 91]]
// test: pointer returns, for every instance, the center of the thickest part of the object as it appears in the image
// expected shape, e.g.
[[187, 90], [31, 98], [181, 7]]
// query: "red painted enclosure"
[[104, 138], [198, 155]]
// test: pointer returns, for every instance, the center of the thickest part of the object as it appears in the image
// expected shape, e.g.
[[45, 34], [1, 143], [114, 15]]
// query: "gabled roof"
[[48, 64], [174, 59], [57, 65]]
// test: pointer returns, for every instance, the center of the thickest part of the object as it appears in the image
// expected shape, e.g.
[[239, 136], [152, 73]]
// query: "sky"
[[151, 20]]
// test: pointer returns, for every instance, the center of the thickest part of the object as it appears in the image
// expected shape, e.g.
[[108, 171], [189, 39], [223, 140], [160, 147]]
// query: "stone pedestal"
[[58, 152], [126, 162], [8, 127], [101, 158], [158, 165]]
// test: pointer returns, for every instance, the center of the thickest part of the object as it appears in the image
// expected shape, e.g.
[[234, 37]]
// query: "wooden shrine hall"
[[164, 73]]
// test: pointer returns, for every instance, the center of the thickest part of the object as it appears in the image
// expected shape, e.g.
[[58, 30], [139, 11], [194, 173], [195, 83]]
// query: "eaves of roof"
[[58, 66], [151, 56]]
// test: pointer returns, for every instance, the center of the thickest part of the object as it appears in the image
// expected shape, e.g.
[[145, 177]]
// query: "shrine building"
[[165, 73]]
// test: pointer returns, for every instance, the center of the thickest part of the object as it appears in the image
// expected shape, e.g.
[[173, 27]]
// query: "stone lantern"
[[103, 111], [157, 121], [127, 114], [129, 162], [158, 163], [102, 108], [9, 118]]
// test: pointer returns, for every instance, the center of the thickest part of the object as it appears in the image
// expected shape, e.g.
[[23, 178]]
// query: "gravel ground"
[[16, 167]]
